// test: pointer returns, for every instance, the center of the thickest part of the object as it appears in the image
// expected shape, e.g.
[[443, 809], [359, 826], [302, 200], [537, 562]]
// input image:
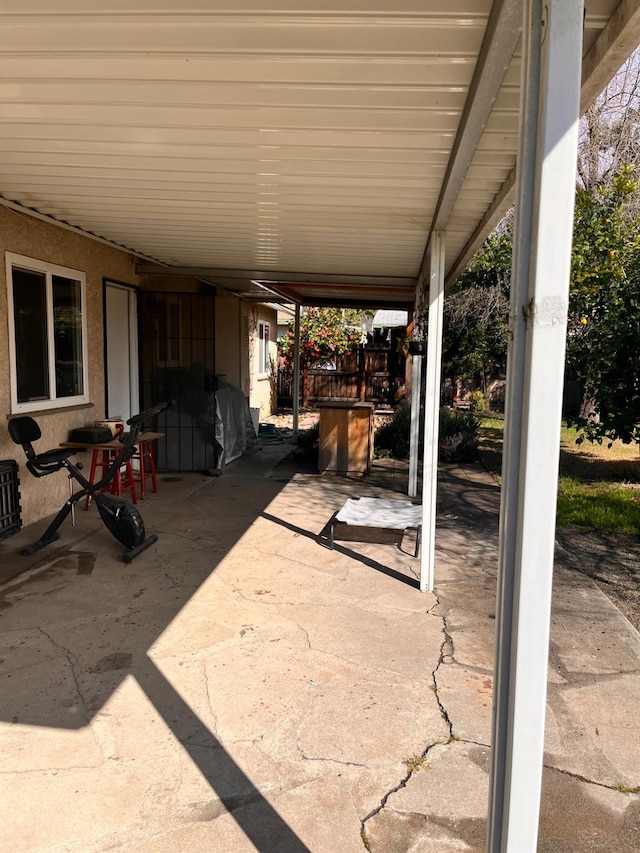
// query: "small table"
[[109, 450], [380, 512]]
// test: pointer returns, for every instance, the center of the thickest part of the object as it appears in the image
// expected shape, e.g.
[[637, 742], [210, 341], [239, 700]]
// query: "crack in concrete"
[[288, 618], [479, 743], [369, 668], [214, 717], [49, 771], [622, 789], [402, 784], [73, 660], [330, 760], [446, 650]]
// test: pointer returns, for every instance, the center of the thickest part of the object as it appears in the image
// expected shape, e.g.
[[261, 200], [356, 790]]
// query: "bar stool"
[[122, 481], [144, 451]]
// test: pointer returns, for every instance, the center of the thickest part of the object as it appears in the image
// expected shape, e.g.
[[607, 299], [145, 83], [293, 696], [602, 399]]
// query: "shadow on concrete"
[[322, 539], [465, 497], [80, 622], [262, 825]]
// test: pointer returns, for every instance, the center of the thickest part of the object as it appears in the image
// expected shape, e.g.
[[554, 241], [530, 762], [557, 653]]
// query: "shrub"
[[458, 435], [477, 402], [392, 438]]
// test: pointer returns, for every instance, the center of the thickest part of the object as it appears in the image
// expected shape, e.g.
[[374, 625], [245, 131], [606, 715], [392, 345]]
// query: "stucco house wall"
[[228, 337], [262, 383], [236, 352], [23, 235]]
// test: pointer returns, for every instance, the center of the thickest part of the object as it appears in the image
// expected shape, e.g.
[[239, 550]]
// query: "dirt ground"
[[612, 560]]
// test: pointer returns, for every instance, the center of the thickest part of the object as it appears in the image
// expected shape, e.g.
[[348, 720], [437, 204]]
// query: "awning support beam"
[[501, 37], [275, 276], [552, 39], [432, 411], [414, 430], [295, 391]]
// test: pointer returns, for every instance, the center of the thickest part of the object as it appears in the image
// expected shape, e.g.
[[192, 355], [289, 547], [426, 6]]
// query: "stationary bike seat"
[[50, 461]]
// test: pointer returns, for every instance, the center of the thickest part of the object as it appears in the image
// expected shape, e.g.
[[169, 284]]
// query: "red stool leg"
[[106, 462], [152, 465], [139, 455]]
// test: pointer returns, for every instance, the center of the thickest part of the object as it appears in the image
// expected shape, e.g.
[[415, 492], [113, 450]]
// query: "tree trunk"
[[588, 408]]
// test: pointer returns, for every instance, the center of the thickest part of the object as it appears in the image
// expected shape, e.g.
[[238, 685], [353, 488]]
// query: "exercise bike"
[[121, 518]]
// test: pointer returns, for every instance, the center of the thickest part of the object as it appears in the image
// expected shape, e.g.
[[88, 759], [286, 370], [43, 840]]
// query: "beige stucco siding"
[[263, 386], [23, 235], [228, 337]]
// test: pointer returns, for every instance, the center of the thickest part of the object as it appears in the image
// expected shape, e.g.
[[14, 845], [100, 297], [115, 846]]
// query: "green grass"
[[601, 506], [490, 433], [598, 486]]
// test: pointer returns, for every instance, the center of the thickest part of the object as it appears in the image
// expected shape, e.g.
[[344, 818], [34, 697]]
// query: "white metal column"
[[295, 391], [414, 432], [552, 48], [432, 411]]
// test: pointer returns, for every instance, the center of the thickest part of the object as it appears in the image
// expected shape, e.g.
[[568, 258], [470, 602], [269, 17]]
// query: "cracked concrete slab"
[[428, 784], [467, 696], [241, 686]]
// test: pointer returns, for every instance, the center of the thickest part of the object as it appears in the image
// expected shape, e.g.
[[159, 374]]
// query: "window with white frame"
[[264, 363], [47, 334]]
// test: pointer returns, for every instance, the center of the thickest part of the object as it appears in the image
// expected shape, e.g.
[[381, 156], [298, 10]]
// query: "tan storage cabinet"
[[346, 437]]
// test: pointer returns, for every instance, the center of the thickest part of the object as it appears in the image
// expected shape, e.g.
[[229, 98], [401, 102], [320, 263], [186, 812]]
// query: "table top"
[[114, 444], [344, 404]]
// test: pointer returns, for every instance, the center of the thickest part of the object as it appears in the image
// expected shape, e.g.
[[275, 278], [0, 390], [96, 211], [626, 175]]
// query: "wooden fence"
[[371, 374]]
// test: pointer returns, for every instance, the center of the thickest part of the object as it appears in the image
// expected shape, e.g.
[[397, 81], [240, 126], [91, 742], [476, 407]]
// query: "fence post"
[[362, 382]]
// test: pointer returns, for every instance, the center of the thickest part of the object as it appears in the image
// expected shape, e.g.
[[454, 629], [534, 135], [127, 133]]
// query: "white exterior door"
[[121, 324]]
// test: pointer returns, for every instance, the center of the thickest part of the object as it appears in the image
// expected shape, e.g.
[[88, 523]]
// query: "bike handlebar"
[[138, 420], [128, 441]]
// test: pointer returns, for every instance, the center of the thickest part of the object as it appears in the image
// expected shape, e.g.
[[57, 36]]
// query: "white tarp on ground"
[[378, 512]]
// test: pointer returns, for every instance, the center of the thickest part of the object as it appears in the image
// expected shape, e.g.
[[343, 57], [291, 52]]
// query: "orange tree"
[[324, 334]]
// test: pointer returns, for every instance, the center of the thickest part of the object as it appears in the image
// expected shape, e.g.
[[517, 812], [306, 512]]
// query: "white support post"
[[432, 412], [416, 396], [295, 391], [552, 51], [414, 431]]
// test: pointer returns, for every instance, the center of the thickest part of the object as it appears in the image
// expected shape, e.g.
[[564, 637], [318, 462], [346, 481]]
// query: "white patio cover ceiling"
[[312, 145]]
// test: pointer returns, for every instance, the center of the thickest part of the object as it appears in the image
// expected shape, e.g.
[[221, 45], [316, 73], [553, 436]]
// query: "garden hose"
[[269, 434]]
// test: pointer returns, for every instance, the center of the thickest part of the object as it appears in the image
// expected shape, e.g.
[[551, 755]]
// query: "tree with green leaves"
[[603, 342], [324, 334], [476, 314]]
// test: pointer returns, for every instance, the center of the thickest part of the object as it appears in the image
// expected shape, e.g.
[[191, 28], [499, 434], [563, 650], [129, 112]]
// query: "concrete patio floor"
[[241, 687]]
